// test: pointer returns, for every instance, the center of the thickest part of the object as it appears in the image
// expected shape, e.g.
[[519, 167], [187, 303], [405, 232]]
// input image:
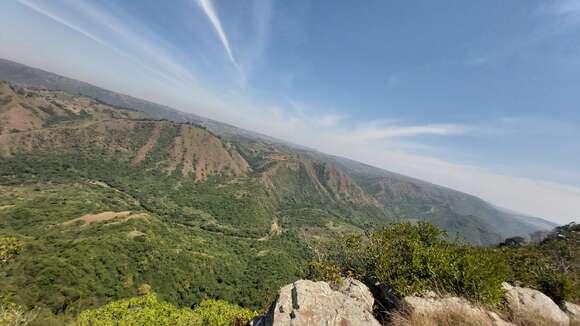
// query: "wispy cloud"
[[374, 133], [565, 7], [330, 120], [171, 72], [210, 12], [385, 144], [134, 35]]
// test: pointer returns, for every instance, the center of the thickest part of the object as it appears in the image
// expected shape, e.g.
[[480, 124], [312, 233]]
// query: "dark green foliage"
[[557, 286], [414, 258], [187, 249], [514, 242], [551, 266], [232, 238]]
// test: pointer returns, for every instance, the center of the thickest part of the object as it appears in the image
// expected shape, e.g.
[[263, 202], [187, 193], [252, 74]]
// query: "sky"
[[479, 96]]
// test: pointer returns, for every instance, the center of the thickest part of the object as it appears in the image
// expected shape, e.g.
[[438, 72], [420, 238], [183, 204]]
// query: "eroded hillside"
[[109, 202]]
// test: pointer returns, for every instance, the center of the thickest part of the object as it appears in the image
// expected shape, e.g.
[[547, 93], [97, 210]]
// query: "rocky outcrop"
[[311, 303], [317, 304], [435, 309], [525, 303]]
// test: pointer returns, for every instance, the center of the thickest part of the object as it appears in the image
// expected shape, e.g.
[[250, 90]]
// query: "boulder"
[[386, 297], [529, 303], [573, 311], [307, 303], [448, 309]]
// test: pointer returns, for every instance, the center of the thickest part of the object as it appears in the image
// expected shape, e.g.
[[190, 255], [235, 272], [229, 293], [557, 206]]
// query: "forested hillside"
[[108, 203]]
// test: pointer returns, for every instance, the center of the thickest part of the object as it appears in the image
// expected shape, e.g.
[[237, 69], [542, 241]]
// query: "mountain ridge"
[[455, 203], [109, 201]]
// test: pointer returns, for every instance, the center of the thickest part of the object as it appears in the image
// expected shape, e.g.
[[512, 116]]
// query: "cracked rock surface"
[[308, 303]]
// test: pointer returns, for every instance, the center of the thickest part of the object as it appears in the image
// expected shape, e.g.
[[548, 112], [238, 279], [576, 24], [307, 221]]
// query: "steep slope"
[[31, 77], [24, 110], [108, 202], [23, 75], [103, 131], [402, 197], [416, 198]]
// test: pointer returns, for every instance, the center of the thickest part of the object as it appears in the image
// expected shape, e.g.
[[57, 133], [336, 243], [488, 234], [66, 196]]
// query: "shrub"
[[324, 271], [144, 310], [551, 266], [147, 310], [514, 242], [556, 285], [10, 247], [221, 313], [414, 258], [14, 315]]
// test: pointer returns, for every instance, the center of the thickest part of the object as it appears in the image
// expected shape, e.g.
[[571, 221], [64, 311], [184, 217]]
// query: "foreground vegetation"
[[197, 241], [147, 310], [415, 258], [99, 206], [551, 265], [412, 258]]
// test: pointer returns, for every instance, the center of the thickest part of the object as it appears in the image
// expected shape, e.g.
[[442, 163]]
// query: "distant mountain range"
[[292, 173], [111, 202]]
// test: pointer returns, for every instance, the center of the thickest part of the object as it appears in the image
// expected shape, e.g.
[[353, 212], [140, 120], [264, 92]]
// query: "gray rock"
[[529, 302], [307, 303], [573, 311]]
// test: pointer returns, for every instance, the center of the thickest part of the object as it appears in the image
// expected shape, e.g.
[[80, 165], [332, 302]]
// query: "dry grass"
[[108, 216], [104, 216], [452, 317], [458, 316], [133, 234], [522, 319]]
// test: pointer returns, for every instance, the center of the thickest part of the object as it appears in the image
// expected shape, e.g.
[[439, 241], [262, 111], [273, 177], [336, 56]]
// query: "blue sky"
[[480, 96]]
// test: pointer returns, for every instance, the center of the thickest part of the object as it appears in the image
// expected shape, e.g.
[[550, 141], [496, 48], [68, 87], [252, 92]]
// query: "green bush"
[[324, 271], [10, 247], [221, 313], [551, 266], [557, 286], [147, 310], [414, 258], [144, 310], [14, 315]]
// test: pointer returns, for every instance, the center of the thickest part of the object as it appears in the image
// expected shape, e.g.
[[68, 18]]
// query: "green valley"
[[109, 203]]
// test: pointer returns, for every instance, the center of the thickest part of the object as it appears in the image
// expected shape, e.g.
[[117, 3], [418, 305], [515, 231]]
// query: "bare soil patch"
[[107, 216], [149, 145]]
